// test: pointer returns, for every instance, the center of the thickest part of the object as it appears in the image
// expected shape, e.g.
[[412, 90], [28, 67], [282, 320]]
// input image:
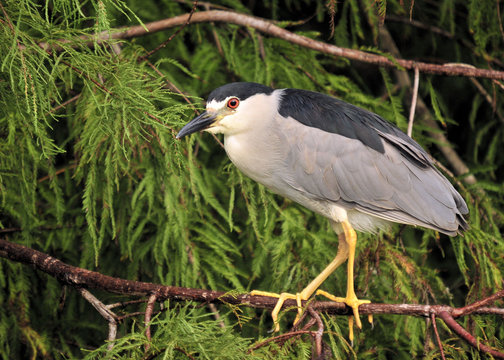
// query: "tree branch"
[[105, 312], [438, 339], [452, 324], [82, 278], [413, 102], [269, 28], [78, 277], [148, 316], [164, 43]]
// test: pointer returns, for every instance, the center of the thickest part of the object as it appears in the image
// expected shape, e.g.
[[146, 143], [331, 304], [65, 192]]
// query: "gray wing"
[[399, 184]]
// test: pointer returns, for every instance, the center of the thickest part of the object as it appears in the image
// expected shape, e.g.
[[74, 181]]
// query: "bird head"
[[231, 108]]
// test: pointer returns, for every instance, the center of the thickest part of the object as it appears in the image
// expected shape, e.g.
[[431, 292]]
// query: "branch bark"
[[452, 324], [82, 279], [452, 69], [78, 278]]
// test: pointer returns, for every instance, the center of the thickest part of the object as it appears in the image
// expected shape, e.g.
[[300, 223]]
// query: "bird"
[[340, 161]]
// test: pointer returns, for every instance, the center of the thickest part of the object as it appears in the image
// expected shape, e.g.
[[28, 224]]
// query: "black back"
[[336, 116]]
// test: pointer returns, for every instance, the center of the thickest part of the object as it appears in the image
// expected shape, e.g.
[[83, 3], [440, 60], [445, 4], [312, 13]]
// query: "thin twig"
[[184, 352], [449, 173], [164, 43], [84, 75], [214, 33], [148, 316], [279, 338], [98, 305], [469, 309], [9, 23], [499, 84], [438, 339], [205, 4], [105, 313], [216, 315], [297, 324], [121, 318], [414, 98], [173, 87], [112, 335], [60, 171], [424, 114], [260, 43], [63, 104], [487, 97], [438, 30], [499, 18], [427, 338], [319, 332], [125, 303]]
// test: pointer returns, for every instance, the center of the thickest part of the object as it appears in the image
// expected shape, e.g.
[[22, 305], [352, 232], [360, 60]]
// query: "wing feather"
[[388, 185]]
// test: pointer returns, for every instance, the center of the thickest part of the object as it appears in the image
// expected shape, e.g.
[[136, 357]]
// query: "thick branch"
[[78, 277], [273, 30], [82, 278]]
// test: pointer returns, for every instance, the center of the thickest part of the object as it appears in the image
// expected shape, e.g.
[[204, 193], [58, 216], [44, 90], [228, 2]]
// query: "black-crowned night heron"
[[343, 162]]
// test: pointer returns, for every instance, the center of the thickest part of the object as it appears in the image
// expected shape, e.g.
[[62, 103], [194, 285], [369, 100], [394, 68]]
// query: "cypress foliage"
[[90, 172]]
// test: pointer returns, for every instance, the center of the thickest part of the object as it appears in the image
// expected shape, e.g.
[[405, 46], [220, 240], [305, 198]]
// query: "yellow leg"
[[350, 299], [346, 250], [340, 258]]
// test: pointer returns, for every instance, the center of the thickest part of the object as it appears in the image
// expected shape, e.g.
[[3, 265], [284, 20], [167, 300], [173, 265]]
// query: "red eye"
[[233, 103]]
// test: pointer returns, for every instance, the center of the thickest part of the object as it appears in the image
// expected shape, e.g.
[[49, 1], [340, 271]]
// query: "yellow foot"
[[352, 301], [281, 299]]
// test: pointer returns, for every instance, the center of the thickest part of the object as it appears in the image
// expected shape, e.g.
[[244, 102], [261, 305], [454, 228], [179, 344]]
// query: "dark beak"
[[201, 122]]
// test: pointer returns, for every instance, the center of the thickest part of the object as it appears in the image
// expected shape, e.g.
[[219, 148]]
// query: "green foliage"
[[90, 172], [179, 333]]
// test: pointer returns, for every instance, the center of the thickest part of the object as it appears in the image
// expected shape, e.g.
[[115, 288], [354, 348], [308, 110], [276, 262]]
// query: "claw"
[[350, 330], [281, 299], [264, 293], [352, 301]]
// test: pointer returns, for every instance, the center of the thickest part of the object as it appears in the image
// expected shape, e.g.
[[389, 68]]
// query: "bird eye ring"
[[233, 103]]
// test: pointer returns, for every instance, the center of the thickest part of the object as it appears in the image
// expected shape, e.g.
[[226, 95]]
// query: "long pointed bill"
[[201, 122]]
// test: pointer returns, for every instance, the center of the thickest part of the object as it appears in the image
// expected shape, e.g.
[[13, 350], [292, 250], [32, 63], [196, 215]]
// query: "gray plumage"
[[334, 158]]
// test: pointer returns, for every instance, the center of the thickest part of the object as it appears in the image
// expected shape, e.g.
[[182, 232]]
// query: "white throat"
[[253, 114]]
